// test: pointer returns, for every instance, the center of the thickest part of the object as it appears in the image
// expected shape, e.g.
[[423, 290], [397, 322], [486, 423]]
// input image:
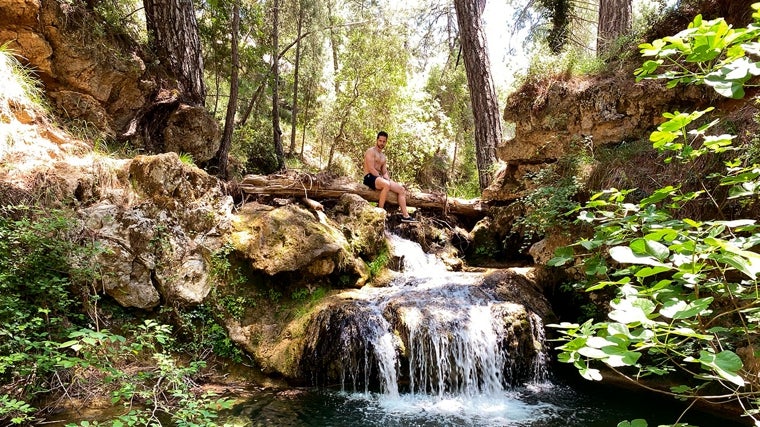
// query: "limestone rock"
[[192, 130], [543, 250], [159, 247], [552, 117], [362, 224], [288, 238]]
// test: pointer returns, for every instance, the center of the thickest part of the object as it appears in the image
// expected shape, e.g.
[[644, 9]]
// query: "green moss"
[[380, 262]]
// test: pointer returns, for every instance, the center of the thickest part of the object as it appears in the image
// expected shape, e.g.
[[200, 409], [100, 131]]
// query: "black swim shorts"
[[369, 180]]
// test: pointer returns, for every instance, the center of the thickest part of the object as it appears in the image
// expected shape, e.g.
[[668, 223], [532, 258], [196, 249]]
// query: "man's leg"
[[384, 186], [401, 194]]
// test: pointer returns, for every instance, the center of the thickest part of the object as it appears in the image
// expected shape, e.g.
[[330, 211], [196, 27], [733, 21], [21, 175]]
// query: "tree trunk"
[[614, 21], [252, 102], [560, 11], [306, 120], [294, 124], [334, 43], [174, 37], [229, 122], [310, 187], [276, 132], [485, 105]]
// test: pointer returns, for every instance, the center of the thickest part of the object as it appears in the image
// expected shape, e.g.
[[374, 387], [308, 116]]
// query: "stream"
[[438, 348]]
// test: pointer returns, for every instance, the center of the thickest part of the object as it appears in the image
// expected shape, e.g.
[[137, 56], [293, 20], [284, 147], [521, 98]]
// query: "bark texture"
[[229, 122], [276, 131], [485, 105], [174, 37], [614, 21]]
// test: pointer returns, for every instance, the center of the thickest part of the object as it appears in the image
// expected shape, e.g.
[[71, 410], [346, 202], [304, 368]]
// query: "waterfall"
[[431, 332]]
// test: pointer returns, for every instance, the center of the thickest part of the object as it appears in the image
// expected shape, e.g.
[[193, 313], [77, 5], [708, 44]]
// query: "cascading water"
[[430, 333], [437, 349]]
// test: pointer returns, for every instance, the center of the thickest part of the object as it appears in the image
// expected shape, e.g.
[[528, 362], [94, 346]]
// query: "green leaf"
[[658, 195], [625, 255], [629, 311], [666, 234], [638, 422], [679, 309], [617, 356], [727, 88], [561, 256], [726, 364], [604, 283], [681, 389], [651, 271], [595, 265], [68, 344], [745, 261]]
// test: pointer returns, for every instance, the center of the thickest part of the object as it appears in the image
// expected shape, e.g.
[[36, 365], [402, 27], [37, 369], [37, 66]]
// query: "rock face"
[[556, 115], [158, 247], [97, 82], [555, 118], [300, 249], [85, 85], [288, 238]]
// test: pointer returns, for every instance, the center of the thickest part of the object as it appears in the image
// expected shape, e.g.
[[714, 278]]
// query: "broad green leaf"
[[617, 356], [618, 329], [670, 308], [745, 261], [68, 344], [666, 234], [638, 422], [651, 271], [629, 311], [681, 389], [592, 353], [692, 223], [658, 195], [624, 255], [656, 249], [682, 310], [726, 364], [561, 256], [729, 89], [590, 244], [741, 178], [594, 266], [591, 374], [604, 283], [691, 333], [736, 223]]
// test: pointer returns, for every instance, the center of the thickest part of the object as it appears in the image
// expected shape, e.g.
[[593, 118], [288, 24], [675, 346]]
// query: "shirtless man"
[[377, 177]]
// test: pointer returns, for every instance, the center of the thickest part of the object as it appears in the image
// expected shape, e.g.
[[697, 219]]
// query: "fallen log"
[[308, 186]]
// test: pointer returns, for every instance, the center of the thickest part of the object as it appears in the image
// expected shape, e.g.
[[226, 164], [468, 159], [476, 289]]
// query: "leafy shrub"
[[687, 292], [47, 346], [546, 207]]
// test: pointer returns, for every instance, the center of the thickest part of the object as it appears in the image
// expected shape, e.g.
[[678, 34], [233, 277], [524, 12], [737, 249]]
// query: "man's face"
[[381, 140]]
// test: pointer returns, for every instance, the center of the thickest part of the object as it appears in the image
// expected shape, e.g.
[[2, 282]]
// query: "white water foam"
[[452, 334], [500, 409]]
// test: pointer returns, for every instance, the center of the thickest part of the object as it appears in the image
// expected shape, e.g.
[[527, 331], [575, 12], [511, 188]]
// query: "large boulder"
[[160, 233], [362, 224], [290, 238]]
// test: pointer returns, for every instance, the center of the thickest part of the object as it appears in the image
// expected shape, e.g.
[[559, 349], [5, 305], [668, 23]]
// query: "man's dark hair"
[[382, 133]]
